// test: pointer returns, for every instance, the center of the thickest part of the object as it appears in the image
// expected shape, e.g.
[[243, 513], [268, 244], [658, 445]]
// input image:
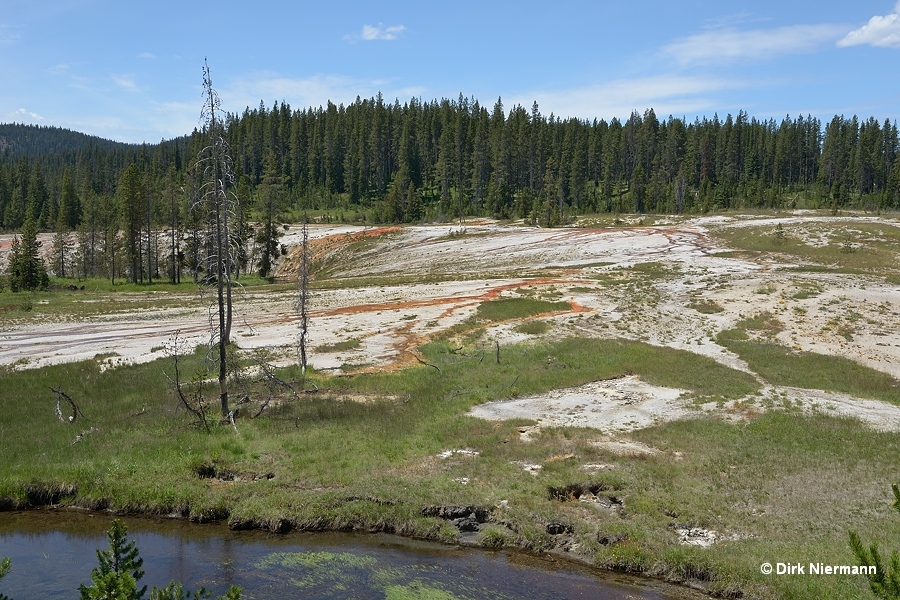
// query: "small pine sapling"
[[885, 582]]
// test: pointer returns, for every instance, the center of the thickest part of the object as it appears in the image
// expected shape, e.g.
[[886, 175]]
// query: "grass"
[[787, 485], [364, 451], [656, 270], [752, 340], [705, 306], [533, 327], [825, 245], [342, 346], [506, 309], [101, 297], [145, 454], [782, 366], [806, 290]]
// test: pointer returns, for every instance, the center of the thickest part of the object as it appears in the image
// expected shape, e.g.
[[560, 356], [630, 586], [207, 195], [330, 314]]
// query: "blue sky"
[[132, 71]]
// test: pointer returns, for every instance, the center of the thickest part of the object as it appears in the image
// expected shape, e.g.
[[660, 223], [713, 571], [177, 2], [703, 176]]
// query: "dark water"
[[53, 551]]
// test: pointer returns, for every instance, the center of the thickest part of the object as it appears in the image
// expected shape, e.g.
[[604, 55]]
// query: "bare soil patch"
[[613, 406], [393, 288]]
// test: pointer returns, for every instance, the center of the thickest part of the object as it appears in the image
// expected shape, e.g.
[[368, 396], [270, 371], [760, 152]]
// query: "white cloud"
[[882, 31], [125, 82], [59, 69], [9, 34], [23, 113], [173, 119], [667, 94], [730, 45], [148, 55], [305, 92], [378, 32]]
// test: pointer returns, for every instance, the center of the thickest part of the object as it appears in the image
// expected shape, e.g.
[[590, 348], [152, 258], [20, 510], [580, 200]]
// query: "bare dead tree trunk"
[[218, 202], [304, 293], [149, 196], [173, 210], [223, 332]]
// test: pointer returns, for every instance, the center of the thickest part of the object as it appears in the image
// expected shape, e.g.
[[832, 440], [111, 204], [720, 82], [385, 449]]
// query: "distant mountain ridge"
[[30, 140]]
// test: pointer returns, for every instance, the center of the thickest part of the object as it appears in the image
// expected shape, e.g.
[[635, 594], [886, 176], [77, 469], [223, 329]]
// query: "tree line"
[[379, 161]]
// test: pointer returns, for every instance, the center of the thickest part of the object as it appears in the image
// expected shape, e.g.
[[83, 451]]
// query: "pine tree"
[[885, 582], [119, 570], [67, 218], [109, 216], [26, 267], [268, 208], [131, 201], [4, 569], [174, 223], [62, 248], [69, 209], [37, 207], [89, 235]]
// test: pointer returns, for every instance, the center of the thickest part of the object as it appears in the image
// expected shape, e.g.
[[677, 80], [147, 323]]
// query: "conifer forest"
[[376, 161]]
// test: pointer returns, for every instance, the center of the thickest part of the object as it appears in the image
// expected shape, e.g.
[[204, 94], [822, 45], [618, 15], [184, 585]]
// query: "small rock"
[[557, 528], [610, 539], [467, 524]]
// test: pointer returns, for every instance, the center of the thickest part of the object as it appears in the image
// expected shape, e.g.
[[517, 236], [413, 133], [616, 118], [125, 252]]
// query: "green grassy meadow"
[[836, 246], [377, 451], [781, 484]]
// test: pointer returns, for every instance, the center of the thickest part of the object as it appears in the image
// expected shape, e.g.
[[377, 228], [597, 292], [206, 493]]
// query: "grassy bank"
[[374, 451], [81, 298], [834, 244], [753, 340]]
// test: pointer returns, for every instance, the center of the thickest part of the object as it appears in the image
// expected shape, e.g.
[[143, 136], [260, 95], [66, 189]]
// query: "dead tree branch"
[[427, 364], [76, 412], [195, 406], [83, 434], [271, 380]]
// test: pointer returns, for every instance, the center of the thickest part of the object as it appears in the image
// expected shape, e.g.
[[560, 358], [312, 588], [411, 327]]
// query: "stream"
[[53, 551]]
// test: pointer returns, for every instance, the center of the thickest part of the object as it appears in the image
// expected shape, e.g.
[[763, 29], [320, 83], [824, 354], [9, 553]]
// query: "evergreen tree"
[[268, 207], [69, 208], [62, 245], [461, 159], [149, 194], [174, 222], [885, 582], [89, 236], [109, 217], [4, 569], [119, 571], [37, 207], [131, 201], [639, 189], [26, 267]]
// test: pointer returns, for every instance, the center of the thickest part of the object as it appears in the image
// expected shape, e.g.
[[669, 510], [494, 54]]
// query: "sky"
[[132, 71]]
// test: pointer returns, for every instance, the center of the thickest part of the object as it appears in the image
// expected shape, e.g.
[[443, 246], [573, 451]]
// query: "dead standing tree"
[[303, 294], [219, 205]]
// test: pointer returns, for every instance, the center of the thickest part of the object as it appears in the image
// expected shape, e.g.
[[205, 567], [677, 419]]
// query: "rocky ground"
[[380, 292]]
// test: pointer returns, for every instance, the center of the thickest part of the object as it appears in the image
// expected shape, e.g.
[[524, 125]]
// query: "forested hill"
[[433, 160], [32, 140]]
